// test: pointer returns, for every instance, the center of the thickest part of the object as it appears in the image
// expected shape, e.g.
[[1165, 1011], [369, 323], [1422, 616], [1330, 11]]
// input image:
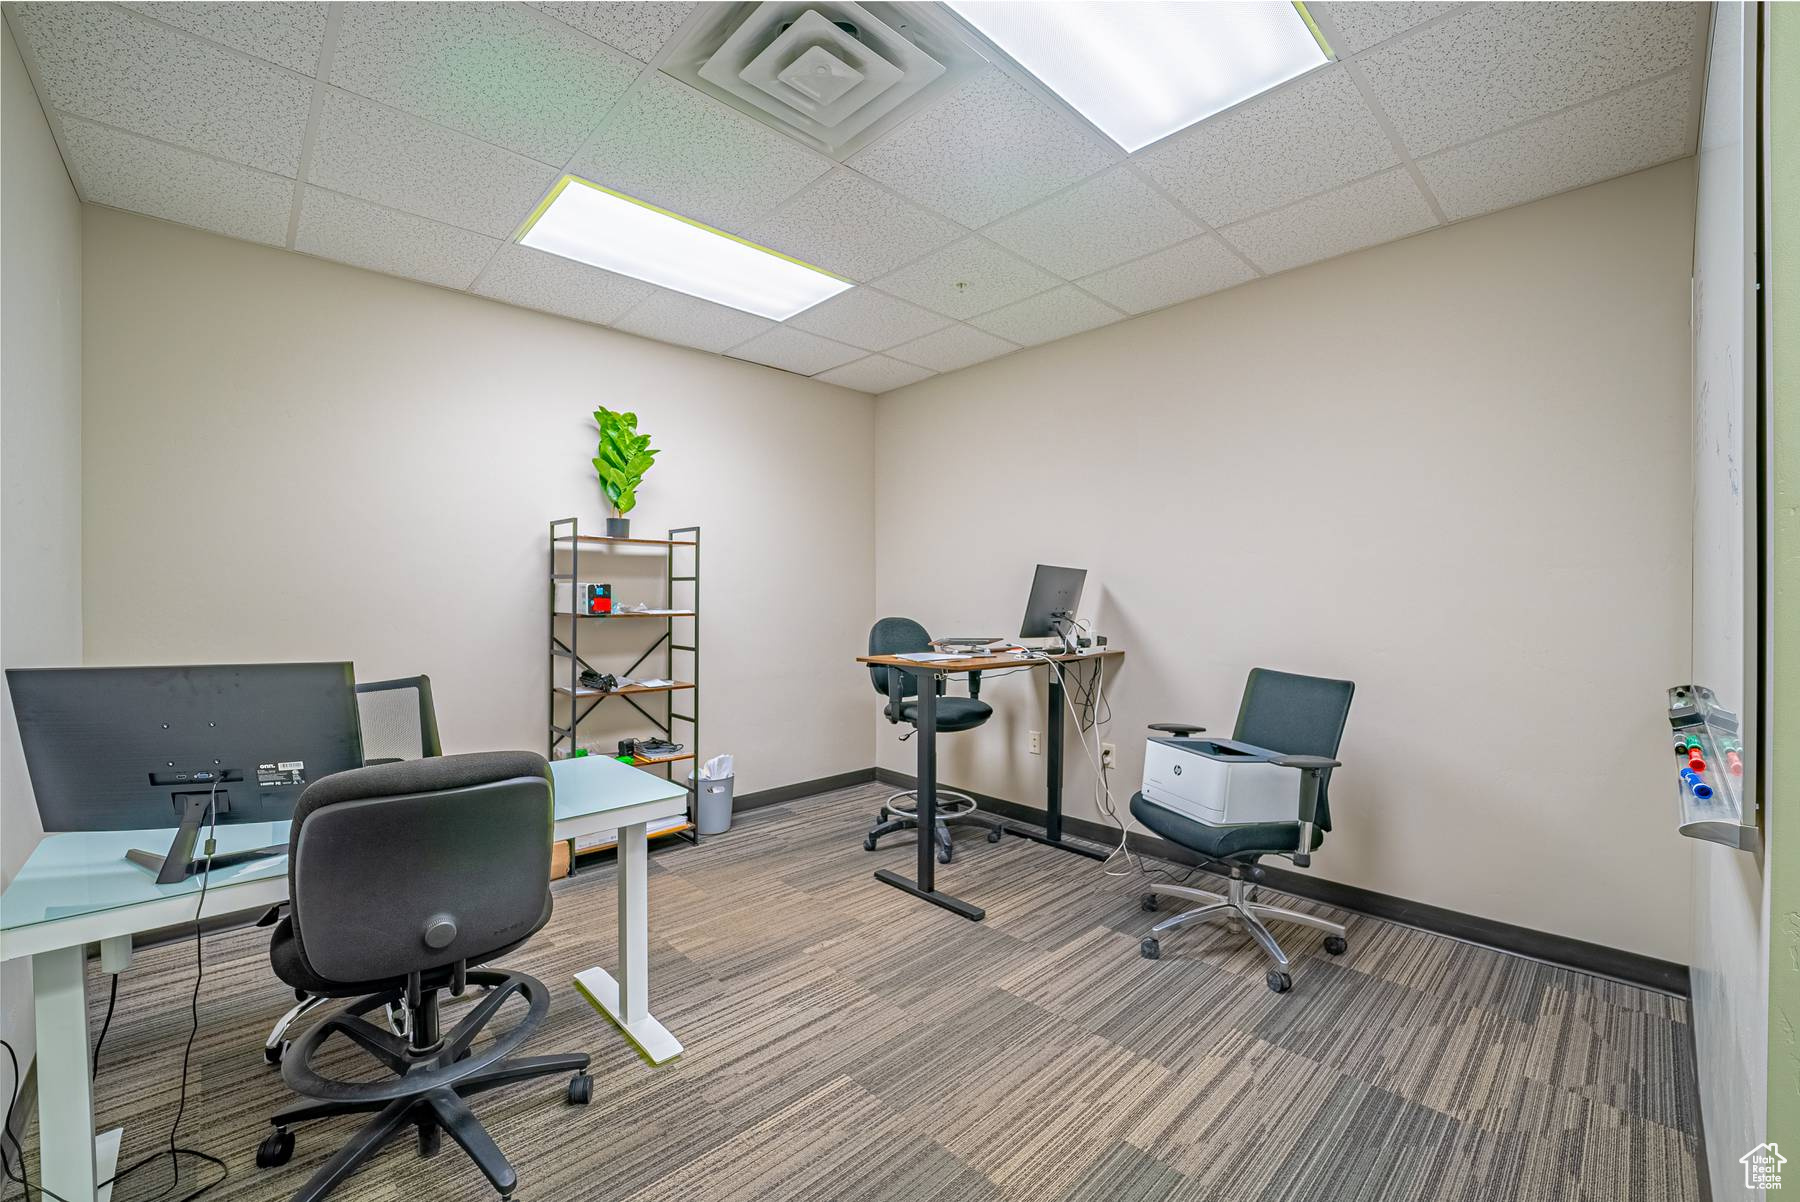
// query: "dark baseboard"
[[1577, 954], [799, 789]]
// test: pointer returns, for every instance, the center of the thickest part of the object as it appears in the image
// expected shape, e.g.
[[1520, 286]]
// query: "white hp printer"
[[1220, 782]]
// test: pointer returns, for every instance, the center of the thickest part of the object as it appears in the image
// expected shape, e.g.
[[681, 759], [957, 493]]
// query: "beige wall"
[[1453, 469], [292, 459], [40, 459]]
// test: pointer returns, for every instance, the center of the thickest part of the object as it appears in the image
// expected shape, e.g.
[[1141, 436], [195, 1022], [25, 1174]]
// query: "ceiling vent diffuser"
[[834, 75]]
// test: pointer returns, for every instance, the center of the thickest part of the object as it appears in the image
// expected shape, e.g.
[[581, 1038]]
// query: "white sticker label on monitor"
[[287, 772]]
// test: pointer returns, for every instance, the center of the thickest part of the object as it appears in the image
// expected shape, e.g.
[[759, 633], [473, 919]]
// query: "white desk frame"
[[73, 1161]]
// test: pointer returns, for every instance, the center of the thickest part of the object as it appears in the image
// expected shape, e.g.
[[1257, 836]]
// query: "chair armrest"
[[1306, 763], [1180, 730], [896, 686], [1312, 779]]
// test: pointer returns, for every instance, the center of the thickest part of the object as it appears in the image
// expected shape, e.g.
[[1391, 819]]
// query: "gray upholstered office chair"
[[901, 636], [398, 723], [1302, 718], [381, 863], [398, 719]]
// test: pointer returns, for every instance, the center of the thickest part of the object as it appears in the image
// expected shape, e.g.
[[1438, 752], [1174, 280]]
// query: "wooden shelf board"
[[655, 833], [673, 613], [565, 541], [627, 691]]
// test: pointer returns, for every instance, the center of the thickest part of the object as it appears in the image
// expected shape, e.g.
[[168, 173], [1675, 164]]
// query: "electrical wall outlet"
[[1034, 743], [1109, 755]]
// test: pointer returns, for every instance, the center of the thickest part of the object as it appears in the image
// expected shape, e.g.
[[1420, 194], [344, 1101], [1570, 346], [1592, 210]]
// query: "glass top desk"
[[77, 889]]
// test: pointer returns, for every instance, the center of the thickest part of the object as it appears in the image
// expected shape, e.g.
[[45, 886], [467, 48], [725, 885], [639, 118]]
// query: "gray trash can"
[[714, 804]]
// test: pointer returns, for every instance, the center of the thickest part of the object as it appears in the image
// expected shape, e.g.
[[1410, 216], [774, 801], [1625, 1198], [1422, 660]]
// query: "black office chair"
[[1302, 718], [398, 722], [402, 878], [901, 636]]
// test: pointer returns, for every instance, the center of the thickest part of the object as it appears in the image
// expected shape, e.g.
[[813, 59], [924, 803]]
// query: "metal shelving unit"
[[571, 702]]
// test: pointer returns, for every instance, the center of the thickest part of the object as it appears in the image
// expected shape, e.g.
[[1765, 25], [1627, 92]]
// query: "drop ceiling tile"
[[637, 28], [1361, 24], [1047, 317], [847, 225], [689, 321], [876, 374], [869, 319], [536, 279], [1629, 131], [1098, 223], [947, 350], [102, 63], [365, 235], [966, 278], [136, 174], [688, 153], [1379, 209], [1169, 277], [1311, 136], [289, 35], [494, 71], [796, 351], [404, 163], [1495, 65], [988, 150]]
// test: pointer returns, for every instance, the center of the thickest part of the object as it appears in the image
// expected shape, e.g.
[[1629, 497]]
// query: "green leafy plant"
[[624, 456]]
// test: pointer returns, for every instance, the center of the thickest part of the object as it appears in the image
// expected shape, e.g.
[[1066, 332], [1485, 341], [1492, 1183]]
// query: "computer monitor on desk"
[[143, 748], [1050, 613]]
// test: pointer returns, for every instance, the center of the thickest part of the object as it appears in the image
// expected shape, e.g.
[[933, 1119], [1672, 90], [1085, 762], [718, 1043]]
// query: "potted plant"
[[623, 458]]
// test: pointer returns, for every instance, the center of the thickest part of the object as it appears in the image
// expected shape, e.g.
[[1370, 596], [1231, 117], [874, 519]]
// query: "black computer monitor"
[[1055, 594], [145, 748]]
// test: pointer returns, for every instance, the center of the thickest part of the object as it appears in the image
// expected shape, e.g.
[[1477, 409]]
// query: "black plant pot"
[[618, 527]]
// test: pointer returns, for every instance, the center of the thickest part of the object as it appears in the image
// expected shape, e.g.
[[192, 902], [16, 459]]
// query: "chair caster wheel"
[[1280, 982], [1147, 902], [275, 1149], [945, 855], [1150, 949], [868, 842], [1335, 945], [994, 836], [275, 1054], [581, 1089]]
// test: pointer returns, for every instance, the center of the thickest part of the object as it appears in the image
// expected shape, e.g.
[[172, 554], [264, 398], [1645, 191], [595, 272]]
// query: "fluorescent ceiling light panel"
[[1140, 71], [602, 228]]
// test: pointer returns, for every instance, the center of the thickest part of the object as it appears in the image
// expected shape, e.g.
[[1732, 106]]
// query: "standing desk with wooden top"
[[927, 675]]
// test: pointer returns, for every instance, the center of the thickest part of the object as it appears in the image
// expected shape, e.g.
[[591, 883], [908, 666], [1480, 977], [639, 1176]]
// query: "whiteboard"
[[1725, 644]]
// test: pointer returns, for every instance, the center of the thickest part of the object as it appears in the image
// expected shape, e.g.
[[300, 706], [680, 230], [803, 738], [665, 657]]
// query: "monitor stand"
[[179, 863]]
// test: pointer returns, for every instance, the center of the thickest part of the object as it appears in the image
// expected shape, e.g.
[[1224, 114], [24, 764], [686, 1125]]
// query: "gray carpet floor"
[[845, 1041]]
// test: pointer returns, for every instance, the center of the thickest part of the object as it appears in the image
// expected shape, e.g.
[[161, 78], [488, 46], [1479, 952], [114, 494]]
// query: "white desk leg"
[[634, 925], [626, 1001], [68, 1161]]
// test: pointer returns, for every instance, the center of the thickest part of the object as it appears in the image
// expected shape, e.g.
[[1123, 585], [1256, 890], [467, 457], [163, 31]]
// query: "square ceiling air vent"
[[834, 75]]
